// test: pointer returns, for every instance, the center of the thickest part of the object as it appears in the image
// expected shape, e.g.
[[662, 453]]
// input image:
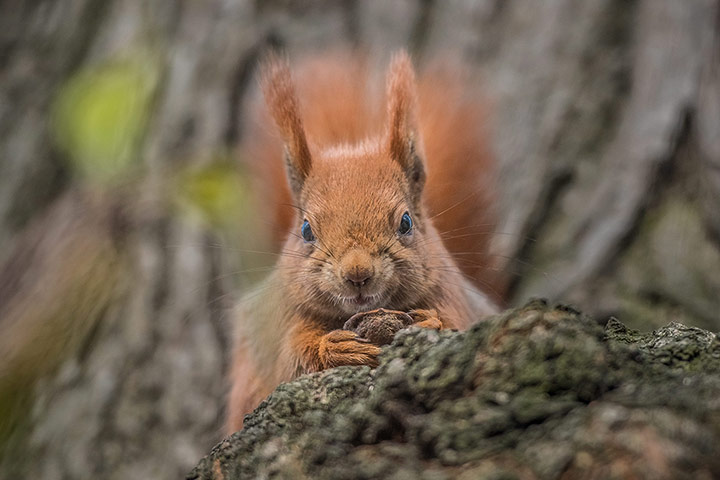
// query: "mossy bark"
[[536, 392]]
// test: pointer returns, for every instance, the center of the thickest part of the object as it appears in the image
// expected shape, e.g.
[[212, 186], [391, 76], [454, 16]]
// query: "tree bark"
[[533, 393]]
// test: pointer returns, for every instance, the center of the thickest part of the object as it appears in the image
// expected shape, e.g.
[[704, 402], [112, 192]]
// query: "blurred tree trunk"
[[135, 387], [606, 127]]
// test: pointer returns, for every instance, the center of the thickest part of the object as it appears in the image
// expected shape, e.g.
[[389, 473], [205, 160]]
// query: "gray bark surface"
[[606, 125], [537, 392]]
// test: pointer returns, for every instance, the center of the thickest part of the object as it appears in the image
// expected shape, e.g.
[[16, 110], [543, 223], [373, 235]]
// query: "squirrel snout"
[[358, 276], [357, 268]]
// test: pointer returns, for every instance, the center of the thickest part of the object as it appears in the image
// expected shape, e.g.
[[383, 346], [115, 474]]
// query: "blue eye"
[[307, 232], [406, 224]]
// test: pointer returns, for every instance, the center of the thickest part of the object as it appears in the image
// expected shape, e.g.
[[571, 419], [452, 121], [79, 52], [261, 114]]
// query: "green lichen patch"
[[676, 346]]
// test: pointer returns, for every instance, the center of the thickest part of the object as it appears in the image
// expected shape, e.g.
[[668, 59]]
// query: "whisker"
[[296, 207], [466, 198], [318, 241]]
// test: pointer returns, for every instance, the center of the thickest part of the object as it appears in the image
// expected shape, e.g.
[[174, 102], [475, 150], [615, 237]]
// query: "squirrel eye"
[[406, 224], [307, 232]]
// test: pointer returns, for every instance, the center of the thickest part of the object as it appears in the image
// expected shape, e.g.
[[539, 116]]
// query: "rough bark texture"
[[536, 392], [606, 121]]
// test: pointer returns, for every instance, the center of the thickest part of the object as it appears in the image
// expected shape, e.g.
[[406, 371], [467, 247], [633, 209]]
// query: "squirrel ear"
[[402, 135], [279, 90]]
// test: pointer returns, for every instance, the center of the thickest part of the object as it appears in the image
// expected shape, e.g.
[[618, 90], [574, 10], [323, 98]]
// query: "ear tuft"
[[279, 90], [402, 128]]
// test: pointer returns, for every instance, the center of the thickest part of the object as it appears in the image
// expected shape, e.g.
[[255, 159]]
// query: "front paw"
[[426, 319], [343, 347]]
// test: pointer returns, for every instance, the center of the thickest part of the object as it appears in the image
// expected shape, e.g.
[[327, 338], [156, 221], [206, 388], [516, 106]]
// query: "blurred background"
[[125, 218]]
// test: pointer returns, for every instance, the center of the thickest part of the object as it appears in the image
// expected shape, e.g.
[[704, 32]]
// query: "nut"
[[378, 326]]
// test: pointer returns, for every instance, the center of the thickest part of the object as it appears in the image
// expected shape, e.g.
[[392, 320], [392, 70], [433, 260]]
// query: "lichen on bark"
[[535, 392]]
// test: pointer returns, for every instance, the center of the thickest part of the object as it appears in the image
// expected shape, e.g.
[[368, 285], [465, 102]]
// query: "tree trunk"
[[606, 126]]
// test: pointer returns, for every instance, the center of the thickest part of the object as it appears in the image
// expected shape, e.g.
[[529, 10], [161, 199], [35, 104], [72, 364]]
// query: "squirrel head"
[[362, 236]]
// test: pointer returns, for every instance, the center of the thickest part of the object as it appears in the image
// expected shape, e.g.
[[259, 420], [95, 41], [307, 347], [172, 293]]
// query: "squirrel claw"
[[343, 347], [337, 336]]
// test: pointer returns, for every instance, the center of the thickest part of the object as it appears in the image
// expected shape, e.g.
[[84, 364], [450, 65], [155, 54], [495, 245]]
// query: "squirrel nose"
[[357, 268], [358, 275]]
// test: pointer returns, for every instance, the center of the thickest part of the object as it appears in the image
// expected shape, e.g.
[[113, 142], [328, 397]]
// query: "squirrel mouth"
[[361, 300]]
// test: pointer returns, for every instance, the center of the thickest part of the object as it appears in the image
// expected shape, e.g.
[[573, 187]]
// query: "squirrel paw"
[[343, 347], [425, 319]]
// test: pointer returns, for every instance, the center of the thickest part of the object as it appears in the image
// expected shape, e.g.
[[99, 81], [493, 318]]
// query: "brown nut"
[[379, 326]]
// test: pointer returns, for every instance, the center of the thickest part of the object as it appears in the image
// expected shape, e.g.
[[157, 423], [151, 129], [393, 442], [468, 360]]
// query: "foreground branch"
[[536, 392]]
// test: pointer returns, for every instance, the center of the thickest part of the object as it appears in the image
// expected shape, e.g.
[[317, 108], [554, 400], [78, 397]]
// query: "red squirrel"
[[368, 227]]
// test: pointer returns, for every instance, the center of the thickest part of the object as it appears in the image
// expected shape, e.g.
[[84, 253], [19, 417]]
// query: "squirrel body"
[[363, 230]]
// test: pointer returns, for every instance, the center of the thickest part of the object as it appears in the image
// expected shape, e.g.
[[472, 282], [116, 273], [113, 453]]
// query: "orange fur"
[[355, 169], [340, 103]]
